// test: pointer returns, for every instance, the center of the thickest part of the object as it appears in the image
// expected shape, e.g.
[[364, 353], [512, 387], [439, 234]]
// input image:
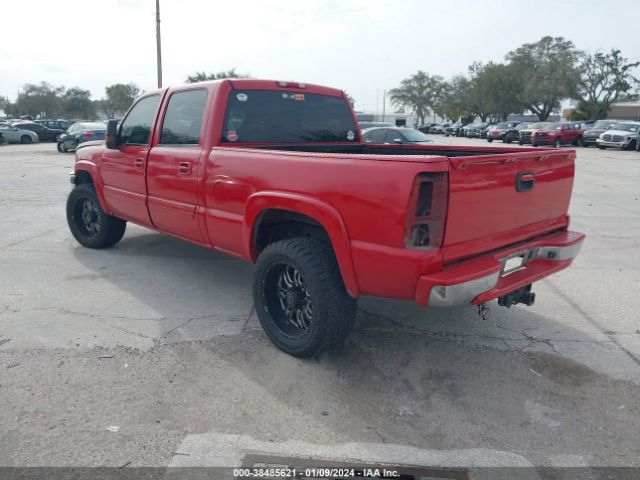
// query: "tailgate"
[[499, 199]]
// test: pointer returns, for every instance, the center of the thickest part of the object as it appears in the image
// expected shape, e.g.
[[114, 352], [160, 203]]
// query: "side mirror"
[[111, 135]]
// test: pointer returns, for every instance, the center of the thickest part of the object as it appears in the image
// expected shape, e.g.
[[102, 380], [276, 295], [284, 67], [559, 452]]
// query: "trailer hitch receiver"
[[522, 295]]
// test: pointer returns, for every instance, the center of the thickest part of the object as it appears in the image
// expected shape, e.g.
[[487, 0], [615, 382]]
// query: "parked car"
[[455, 129], [426, 127], [484, 130], [557, 134], [13, 134], [1, 139], [621, 135], [79, 133], [590, 135], [364, 125], [55, 124], [325, 217], [474, 130], [438, 128], [525, 133], [395, 135], [498, 131], [584, 124], [45, 134]]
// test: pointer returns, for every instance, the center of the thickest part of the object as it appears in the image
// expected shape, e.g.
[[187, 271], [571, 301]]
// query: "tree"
[[605, 79], [119, 98], [203, 76], [497, 91], [76, 103], [548, 72], [5, 104], [35, 99], [418, 93], [454, 103]]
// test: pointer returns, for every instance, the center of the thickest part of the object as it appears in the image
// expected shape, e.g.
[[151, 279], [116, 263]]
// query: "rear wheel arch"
[[276, 216]]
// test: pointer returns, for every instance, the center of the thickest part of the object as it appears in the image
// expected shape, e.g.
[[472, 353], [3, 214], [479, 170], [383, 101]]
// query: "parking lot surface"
[[150, 354]]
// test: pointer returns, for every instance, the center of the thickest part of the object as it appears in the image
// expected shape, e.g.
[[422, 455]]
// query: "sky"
[[362, 46]]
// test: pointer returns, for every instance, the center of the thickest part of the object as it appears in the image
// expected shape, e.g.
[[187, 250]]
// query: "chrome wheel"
[[294, 297], [88, 217], [288, 299]]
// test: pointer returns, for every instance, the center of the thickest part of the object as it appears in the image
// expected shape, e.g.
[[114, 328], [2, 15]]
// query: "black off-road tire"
[[333, 310], [25, 139], [489, 140], [601, 147], [103, 230], [632, 145]]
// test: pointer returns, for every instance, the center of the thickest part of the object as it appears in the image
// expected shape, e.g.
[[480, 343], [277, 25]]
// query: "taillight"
[[87, 134], [427, 211]]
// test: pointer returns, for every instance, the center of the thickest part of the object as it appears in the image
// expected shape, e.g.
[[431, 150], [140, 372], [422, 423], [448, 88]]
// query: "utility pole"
[[158, 46], [384, 104]]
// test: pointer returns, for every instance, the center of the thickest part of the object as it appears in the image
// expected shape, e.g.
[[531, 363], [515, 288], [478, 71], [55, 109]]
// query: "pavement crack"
[[590, 319]]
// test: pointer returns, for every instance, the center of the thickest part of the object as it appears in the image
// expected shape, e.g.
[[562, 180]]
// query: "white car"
[[13, 134], [621, 135]]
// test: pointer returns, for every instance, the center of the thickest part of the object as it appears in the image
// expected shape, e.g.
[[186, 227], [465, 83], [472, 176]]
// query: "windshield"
[[415, 135], [539, 125], [602, 124], [629, 127], [287, 117]]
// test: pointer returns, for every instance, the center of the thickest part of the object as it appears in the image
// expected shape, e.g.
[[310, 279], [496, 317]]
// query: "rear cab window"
[[280, 116]]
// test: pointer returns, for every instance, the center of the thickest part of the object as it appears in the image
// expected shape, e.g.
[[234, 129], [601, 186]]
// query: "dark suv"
[[592, 133], [45, 134], [55, 124], [505, 131]]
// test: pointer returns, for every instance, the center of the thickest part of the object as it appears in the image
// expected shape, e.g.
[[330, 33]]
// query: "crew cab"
[[557, 134], [277, 174], [622, 134], [500, 131], [526, 134]]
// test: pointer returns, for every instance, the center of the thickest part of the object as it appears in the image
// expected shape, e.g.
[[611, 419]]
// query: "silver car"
[[13, 134], [620, 135]]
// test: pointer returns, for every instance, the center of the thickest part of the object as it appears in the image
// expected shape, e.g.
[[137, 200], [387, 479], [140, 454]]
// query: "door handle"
[[525, 181], [138, 162], [184, 168]]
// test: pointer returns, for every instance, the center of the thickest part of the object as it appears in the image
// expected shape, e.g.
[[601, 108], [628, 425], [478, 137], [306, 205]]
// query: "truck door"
[[122, 169], [173, 165]]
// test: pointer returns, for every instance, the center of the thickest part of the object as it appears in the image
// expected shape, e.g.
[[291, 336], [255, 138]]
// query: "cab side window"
[[136, 127], [183, 119]]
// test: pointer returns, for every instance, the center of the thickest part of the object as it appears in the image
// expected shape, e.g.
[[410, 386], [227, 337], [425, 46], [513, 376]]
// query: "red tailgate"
[[496, 200]]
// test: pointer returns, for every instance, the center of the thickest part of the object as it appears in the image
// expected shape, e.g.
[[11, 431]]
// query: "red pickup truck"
[[276, 173], [557, 134]]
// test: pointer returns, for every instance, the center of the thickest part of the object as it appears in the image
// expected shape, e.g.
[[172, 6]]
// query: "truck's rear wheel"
[[299, 296], [89, 224]]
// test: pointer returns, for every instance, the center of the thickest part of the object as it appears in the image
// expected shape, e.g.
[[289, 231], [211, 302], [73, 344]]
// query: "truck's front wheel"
[[89, 224], [299, 296]]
